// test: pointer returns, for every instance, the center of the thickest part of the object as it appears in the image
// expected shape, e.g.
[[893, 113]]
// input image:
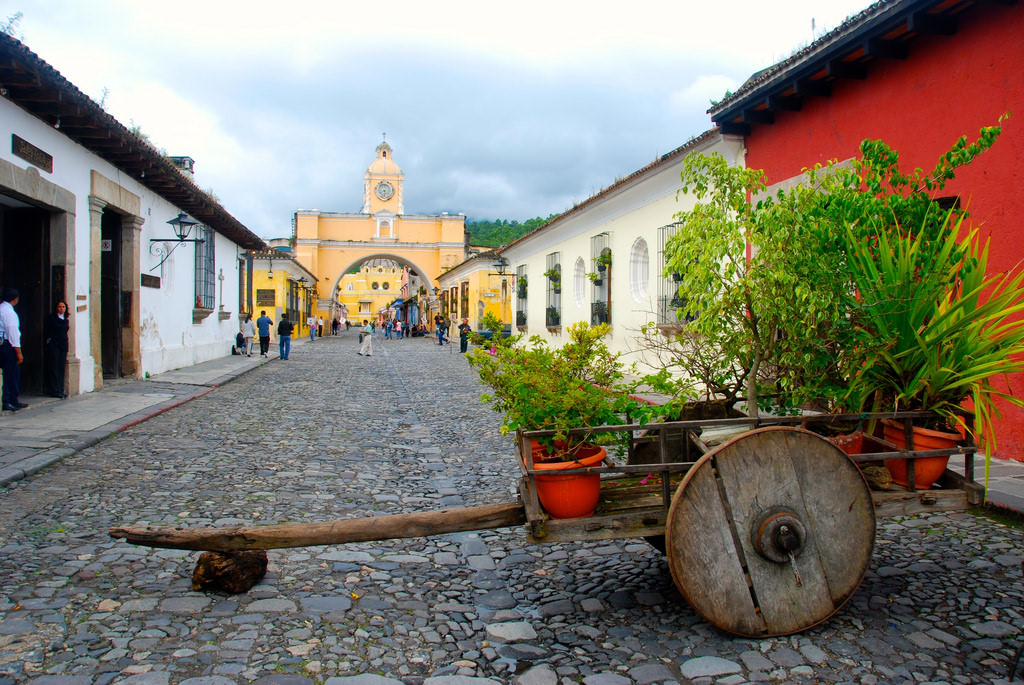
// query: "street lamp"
[[182, 226], [501, 266]]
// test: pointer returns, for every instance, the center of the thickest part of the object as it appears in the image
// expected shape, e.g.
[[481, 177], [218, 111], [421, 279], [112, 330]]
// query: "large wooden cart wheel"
[[771, 532]]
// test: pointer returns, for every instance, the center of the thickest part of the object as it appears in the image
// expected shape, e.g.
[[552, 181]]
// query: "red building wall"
[[948, 86]]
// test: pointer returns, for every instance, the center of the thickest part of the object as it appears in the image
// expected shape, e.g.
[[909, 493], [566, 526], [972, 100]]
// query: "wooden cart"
[[768, 527]]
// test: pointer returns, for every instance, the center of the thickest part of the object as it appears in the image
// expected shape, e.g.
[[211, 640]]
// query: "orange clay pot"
[[927, 470], [566, 495]]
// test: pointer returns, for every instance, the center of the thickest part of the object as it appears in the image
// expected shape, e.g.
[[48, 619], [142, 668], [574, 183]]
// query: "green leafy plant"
[[933, 332], [554, 274], [552, 317], [780, 312], [535, 387], [603, 260], [594, 277]]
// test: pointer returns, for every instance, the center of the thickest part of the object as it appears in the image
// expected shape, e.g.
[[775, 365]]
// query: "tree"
[[768, 280]]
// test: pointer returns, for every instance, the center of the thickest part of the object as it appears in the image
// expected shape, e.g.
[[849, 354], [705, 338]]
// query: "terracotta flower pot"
[[564, 494], [927, 470]]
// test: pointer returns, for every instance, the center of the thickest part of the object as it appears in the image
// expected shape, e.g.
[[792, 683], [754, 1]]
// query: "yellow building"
[[280, 285], [478, 286], [405, 251]]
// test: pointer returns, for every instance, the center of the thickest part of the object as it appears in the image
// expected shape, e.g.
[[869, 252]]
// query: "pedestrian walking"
[[311, 322], [10, 351], [464, 331], [284, 336], [439, 328], [387, 329], [366, 335], [320, 326], [248, 333], [398, 329], [263, 325], [55, 352], [335, 325]]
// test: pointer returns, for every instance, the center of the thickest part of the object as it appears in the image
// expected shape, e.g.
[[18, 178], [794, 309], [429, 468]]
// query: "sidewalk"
[[51, 429]]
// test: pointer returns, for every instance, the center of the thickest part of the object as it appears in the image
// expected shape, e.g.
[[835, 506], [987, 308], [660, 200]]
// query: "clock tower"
[[382, 184]]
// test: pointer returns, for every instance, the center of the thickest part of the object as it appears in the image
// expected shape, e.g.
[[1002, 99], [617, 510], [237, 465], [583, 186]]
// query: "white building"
[[628, 223], [84, 211]]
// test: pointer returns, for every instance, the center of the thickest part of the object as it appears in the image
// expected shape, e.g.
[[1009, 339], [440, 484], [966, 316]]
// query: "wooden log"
[[233, 572], [418, 524]]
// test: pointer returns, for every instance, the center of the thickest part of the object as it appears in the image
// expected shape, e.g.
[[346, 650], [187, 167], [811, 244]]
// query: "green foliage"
[[780, 314], [554, 274], [578, 385], [490, 322], [502, 231], [931, 333], [12, 27]]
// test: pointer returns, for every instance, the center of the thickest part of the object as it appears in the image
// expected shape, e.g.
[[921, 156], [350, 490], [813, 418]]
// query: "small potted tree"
[[576, 386]]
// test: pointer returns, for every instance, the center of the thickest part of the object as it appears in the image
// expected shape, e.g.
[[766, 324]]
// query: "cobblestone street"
[[328, 434]]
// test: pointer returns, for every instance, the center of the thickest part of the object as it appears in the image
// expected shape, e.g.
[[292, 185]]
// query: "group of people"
[[318, 329], [246, 337], [55, 350]]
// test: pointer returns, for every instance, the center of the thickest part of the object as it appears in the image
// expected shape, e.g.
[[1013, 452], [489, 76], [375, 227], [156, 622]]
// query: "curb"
[[35, 463]]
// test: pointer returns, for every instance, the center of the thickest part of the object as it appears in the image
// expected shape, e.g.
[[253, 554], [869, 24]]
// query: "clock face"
[[385, 190]]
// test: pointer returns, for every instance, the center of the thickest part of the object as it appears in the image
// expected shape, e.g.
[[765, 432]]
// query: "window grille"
[[553, 274], [669, 301], [205, 273], [600, 259], [522, 290]]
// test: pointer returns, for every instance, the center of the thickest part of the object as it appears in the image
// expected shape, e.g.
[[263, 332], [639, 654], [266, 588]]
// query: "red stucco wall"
[[948, 87]]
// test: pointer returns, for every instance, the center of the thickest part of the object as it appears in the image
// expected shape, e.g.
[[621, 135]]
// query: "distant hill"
[[501, 231]]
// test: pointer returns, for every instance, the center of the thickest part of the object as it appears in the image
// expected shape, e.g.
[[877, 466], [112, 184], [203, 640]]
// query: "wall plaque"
[[150, 281], [31, 154], [265, 298]]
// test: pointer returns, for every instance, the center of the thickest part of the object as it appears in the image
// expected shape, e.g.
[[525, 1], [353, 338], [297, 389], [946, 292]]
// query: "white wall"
[[635, 211], [169, 339]]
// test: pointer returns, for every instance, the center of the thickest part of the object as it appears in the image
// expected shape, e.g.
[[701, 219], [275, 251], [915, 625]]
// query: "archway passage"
[[382, 287]]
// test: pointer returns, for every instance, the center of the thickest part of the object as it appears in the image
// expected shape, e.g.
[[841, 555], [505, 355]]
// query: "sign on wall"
[[265, 298]]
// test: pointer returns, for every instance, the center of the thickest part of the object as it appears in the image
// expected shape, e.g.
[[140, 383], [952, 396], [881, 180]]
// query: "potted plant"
[[554, 275], [595, 277], [552, 317], [934, 330], [576, 386], [521, 287], [603, 260]]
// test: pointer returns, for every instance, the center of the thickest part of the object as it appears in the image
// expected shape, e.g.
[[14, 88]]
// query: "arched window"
[[639, 270], [579, 282]]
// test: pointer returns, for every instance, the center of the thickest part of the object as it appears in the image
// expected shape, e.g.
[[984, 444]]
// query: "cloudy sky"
[[496, 110]]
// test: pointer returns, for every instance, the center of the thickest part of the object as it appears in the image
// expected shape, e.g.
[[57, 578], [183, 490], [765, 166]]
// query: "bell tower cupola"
[[382, 184]]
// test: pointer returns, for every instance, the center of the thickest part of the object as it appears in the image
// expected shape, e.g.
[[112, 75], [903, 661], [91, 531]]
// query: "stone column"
[[96, 207], [131, 250]]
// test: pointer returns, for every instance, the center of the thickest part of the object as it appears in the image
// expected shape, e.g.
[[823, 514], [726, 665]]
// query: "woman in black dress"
[[55, 331]]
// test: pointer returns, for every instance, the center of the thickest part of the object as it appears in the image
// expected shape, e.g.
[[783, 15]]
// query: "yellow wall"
[[330, 244]]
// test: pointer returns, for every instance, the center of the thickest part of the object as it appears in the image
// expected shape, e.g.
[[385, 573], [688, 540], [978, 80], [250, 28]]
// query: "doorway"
[[111, 311], [25, 265]]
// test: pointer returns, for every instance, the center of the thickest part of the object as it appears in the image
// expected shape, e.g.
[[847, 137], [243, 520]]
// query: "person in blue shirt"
[[263, 325]]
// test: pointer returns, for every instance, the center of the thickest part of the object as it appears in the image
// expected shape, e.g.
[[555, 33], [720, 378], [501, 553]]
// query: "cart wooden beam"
[[236, 538]]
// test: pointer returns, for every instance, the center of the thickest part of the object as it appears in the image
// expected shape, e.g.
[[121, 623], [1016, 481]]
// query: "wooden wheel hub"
[[778, 535], [771, 532]]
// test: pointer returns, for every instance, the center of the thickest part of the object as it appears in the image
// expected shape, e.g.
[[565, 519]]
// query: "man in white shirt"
[[10, 350]]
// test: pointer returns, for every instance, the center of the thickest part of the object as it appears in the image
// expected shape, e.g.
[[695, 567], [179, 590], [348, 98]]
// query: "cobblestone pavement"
[[329, 434]]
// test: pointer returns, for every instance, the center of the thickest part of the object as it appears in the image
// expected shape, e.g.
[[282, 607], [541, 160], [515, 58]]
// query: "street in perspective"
[[328, 435]]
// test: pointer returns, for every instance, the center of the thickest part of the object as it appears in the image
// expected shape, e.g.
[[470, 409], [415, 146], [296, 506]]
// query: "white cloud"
[[701, 92]]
